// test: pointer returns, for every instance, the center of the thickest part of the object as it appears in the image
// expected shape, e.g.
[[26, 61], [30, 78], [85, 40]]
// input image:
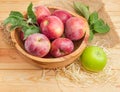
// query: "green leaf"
[[17, 20], [31, 30], [87, 7], [10, 20], [13, 27], [101, 27], [93, 18], [91, 35], [96, 25], [14, 18], [99, 22], [16, 13], [31, 14], [24, 28], [81, 9]]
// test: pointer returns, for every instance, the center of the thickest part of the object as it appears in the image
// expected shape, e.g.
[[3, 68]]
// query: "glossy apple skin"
[[52, 27], [37, 44], [41, 12], [63, 15], [93, 58], [61, 47], [74, 28]]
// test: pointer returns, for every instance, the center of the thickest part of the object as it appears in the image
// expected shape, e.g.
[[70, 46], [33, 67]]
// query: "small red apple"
[[63, 15], [74, 28], [61, 47], [52, 27], [41, 12], [37, 44]]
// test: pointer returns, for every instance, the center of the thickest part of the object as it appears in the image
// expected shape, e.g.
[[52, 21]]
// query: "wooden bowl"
[[50, 63]]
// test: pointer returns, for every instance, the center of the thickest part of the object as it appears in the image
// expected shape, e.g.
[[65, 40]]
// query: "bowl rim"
[[59, 59]]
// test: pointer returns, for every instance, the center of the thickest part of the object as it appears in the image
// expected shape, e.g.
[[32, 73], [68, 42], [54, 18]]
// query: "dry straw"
[[78, 75]]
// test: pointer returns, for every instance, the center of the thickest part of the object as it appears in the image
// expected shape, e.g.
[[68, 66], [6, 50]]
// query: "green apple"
[[93, 58]]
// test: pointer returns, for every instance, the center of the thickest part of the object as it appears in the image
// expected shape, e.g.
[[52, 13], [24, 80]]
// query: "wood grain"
[[30, 81], [18, 74]]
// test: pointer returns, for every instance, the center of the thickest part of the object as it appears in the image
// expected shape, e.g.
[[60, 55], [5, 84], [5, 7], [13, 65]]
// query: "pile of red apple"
[[58, 31]]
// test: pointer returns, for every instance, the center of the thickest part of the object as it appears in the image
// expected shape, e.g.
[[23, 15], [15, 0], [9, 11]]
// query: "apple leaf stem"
[[17, 20]]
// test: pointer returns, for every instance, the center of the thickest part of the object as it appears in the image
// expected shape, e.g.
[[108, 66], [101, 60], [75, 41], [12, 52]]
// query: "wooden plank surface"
[[18, 74]]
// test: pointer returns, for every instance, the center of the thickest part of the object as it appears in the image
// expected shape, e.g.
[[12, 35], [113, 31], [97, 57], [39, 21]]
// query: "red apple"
[[37, 44], [74, 28], [61, 47], [52, 27], [63, 15], [21, 35], [48, 56], [41, 12]]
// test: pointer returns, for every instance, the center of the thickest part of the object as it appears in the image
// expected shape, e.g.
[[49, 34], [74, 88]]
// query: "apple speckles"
[[37, 44], [61, 47], [46, 23], [41, 12], [54, 29], [74, 28], [62, 15]]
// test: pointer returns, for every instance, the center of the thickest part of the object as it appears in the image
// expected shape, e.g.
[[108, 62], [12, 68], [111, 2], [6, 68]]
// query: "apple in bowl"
[[41, 12], [37, 44], [52, 27], [63, 15], [74, 28], [61, 47], [45, 23]]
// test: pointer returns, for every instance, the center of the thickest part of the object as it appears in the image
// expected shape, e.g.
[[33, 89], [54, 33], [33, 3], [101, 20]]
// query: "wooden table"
[[19, 76]]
